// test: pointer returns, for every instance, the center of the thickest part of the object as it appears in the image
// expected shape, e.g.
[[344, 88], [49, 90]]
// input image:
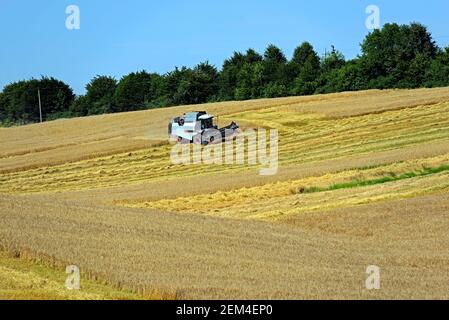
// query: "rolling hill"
[[363, 180]]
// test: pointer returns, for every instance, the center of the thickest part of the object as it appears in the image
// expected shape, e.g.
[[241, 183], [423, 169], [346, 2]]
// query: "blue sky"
[[118, 37]]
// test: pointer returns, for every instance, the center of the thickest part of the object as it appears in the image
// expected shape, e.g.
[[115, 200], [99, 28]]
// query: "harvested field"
[[224, 258], [363, 179], [27, 279], [315, 139]]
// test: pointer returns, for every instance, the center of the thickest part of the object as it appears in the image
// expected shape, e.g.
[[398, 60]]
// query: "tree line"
[[396, 56]]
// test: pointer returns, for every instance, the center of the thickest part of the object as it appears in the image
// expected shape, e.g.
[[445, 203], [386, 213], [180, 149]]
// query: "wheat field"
[[363, 180]]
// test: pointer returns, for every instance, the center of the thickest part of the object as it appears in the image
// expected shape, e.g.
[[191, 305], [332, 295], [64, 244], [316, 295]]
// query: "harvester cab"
[[199, 127]]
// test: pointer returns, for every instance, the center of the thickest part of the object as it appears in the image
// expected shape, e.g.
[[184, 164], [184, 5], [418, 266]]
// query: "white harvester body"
[[199, 127]]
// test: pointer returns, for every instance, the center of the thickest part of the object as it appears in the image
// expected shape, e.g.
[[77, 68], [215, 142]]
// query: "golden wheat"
[[315, 140], [189, 256], [69, 188]]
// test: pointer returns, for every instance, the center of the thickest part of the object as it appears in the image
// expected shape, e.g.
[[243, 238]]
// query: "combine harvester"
[[199, 128]]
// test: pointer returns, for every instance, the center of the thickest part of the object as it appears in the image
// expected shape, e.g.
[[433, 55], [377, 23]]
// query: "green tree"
[[304, 54], [437, 74], [332, 61], [205, 82], [228, 76], [304, 69], [158, 92], [176, 85], [3, 119], [274, 63], [331, 72], [249, 79], [20, 100], [305, 82], [252, 57], [389, 53], [79, 107], [415, 74], [194, 86], [274, 90], [56, 96], [18, 103], [133, 92], [346, 78], [100, 95]]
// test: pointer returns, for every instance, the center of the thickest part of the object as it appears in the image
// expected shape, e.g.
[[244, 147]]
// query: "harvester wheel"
[[183, 141]]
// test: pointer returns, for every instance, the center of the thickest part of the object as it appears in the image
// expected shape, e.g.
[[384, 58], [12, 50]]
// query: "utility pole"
[[40, 106]]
